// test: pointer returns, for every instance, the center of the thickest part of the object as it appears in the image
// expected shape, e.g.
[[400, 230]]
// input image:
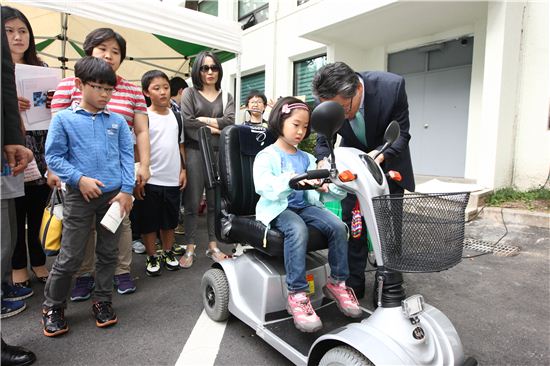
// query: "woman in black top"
[[204, 104]]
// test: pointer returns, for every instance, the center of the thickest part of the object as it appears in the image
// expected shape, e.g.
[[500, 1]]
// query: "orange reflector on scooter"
[[394, 175], [347, 176]]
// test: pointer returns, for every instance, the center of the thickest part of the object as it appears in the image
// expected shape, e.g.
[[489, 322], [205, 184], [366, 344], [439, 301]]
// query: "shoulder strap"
[[180, 126]]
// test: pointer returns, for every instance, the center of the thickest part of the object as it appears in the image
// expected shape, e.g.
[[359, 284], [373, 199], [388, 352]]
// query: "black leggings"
[[29, 210]]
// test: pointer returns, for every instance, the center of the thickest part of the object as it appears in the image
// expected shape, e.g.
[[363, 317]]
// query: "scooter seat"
[[247, 230]]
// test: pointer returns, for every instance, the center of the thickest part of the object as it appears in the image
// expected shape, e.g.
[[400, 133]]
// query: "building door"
[[437, 80]]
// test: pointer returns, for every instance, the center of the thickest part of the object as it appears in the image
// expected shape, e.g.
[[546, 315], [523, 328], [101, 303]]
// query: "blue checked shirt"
[[96, 145]]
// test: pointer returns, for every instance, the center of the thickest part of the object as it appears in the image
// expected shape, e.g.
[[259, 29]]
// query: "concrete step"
[[477, 202], [478, 194]]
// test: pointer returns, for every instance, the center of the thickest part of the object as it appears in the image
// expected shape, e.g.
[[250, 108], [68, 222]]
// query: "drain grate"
[[499, 249]]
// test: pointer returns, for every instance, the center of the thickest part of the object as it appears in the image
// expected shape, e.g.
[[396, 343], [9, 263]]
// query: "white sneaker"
[[138, 247], [170, 261], [152, 265]]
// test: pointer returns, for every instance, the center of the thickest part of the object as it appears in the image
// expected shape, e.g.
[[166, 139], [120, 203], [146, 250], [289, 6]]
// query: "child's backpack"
[[181, 137]]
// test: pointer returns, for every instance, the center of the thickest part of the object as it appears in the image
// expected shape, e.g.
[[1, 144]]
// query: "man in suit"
[[371, 100], [15, 157]]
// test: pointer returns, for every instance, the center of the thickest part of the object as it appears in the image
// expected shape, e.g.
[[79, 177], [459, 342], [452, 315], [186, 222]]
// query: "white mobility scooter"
[[410, 233]]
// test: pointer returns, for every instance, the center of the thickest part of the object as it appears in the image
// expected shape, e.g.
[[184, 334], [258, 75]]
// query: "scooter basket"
[[421, 232]]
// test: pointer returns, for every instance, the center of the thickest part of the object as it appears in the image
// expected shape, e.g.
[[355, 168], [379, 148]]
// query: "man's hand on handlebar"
[[379, 159]]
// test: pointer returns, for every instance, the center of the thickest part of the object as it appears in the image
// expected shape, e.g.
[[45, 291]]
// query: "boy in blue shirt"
[[90, 149]]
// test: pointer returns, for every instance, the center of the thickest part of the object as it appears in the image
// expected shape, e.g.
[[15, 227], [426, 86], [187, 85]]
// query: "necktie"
[[358, 126]]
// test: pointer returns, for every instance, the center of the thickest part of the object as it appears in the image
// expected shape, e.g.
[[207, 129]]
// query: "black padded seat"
[[239, 145]]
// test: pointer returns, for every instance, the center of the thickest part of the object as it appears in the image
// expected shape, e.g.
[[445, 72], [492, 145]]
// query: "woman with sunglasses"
[[205, 104], [30, 207]]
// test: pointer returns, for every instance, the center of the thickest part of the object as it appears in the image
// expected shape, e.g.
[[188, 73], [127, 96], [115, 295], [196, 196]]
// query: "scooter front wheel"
[[344, 356], [215, 294]]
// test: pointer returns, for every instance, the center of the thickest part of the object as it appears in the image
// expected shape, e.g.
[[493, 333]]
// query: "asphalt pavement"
[[499, 306]]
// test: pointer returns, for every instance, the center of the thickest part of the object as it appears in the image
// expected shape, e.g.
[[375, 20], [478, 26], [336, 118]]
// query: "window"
[[252, 12], [252, 82], [203, 6], [304, 71], [209, 7]]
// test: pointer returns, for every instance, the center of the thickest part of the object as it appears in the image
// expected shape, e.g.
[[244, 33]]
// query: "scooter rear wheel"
[[215, 294], [344, 356]]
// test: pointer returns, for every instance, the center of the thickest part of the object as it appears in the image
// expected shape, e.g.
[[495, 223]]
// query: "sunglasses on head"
[[206, 68]]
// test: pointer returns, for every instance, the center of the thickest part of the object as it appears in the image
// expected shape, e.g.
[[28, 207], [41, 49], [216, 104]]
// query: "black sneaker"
[[152, 265], [104, 314], [180, 229], [54, 322], [179, 249], [170, 261]]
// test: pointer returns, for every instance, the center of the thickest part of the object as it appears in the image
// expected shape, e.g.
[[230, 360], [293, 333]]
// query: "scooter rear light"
[[412, 306], [347, 176], [394, 175]]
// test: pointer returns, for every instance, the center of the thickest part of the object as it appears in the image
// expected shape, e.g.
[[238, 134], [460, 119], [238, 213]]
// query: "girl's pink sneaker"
[[305, 318], [344, 297]]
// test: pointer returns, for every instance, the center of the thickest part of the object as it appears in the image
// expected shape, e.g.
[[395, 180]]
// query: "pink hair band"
[[289, 107]]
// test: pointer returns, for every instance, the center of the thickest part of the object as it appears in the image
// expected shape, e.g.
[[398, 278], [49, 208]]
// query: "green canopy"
[[191, 49]]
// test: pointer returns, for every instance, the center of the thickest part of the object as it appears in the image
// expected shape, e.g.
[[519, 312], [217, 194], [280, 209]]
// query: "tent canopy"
[[158, 35]]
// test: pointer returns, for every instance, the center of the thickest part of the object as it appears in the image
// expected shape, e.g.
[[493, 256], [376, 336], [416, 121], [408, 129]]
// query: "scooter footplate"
[[331, 317]]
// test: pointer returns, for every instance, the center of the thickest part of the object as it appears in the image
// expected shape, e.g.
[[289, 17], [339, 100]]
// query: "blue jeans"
[[292, 223]]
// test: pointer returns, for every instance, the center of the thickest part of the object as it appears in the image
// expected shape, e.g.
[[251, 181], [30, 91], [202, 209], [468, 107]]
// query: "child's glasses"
[[101, 89]]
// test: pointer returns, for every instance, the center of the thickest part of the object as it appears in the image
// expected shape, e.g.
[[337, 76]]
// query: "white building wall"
[[499, 97], [474, 139], [532, 147]]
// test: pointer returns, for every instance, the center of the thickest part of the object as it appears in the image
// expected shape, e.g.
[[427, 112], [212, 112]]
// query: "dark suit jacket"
[[385, 100], [9, 114]]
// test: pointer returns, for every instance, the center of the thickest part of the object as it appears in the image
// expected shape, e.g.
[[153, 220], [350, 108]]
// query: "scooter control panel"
[[373, 168]]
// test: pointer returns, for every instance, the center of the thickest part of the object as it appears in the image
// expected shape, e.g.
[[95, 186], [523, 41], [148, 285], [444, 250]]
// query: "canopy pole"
[[64, 26], [238, 91]]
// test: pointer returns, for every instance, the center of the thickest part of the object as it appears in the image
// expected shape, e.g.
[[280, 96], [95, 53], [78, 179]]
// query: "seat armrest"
[[208, 158]]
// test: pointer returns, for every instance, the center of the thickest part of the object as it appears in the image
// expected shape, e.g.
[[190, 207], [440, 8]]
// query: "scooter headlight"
[[412, 306]]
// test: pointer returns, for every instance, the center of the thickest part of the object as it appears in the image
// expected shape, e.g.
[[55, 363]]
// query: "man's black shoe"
[[54, 322], [16, 356], [104, 314]]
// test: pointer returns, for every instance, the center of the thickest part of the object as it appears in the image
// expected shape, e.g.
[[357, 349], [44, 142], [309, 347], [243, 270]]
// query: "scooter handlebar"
[[310, 174]]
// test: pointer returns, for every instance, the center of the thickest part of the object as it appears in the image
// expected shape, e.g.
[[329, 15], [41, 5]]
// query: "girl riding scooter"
[[290, 210]]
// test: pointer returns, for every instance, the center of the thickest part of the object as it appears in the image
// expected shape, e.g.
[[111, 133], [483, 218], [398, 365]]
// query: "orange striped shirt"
[[127, 99]]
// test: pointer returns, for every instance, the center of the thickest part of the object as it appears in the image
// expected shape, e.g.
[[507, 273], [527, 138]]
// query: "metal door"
[[438, 107]]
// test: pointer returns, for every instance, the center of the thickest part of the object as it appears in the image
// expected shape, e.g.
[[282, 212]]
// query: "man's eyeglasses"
[[100, 89], [206, 68], [350, 105]]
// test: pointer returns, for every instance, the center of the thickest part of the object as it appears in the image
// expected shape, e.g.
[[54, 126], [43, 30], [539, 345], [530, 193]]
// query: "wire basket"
[[421, 232]]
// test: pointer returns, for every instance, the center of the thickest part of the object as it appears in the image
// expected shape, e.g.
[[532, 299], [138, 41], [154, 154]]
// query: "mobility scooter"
[[409, 233]]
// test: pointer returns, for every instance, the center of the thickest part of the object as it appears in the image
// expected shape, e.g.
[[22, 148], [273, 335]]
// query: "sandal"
[[216, 255], [42, 278], [186, 261]]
